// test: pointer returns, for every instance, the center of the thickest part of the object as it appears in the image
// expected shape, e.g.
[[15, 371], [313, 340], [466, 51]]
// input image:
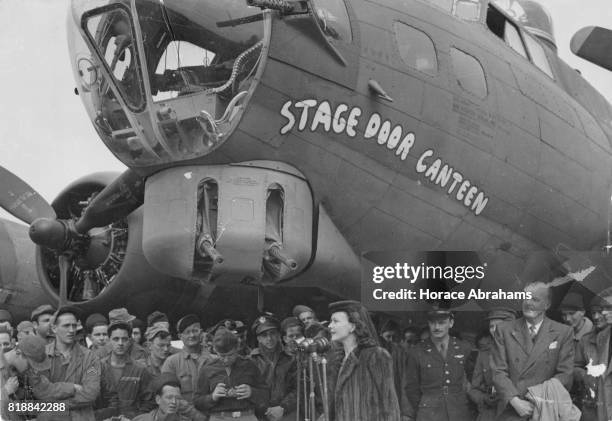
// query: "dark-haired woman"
[[362, 375]]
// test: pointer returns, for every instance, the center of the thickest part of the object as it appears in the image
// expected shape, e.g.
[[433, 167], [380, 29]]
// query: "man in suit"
[[529, 351]]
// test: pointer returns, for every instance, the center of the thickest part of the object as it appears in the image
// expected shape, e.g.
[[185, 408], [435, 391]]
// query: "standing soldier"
[[158, 338], [231, 387], [436, 384], [278, 369], [305, 314], [186, 364], [97, 332], [135, 351], [124, 385], [25, 328], [482, 392], [42, 317], [72, 363]]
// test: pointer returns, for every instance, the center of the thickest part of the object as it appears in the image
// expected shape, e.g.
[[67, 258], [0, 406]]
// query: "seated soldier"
[[167, 397]]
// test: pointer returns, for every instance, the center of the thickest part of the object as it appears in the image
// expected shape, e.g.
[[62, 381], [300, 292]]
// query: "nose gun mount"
[[229, 223]]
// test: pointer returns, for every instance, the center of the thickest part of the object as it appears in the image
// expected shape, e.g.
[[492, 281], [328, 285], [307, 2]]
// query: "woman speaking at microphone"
[[361, 374]]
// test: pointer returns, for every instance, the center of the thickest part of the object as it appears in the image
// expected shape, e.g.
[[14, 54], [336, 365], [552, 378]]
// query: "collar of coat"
[[74, 352], [357, 355], [257, 353], [453, 343], [107, 360]]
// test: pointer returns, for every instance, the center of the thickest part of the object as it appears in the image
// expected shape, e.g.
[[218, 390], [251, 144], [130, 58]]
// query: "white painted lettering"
[[444, 176], [404, 147], [352, 121], [432, 171], [322, 116], [462, 189], [469, 196], [339, 122], [479, 203], [420, 166], [305, 105], [289, 116], [457, 178], [373, 126], [383, 135], [394, 137]]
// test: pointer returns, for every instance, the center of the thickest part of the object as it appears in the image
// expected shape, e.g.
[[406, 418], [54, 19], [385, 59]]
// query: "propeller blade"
[[116, 201], [21, 200], [64, 267]]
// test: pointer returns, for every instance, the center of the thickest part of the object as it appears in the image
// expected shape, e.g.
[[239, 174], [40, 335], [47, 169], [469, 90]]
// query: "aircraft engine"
[[98, 257]]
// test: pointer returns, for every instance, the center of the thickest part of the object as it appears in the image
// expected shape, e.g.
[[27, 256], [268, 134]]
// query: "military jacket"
[[437, 386]]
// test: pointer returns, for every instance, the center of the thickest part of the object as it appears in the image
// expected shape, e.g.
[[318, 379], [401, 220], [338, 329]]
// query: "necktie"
[[442, 349], [532, 333]]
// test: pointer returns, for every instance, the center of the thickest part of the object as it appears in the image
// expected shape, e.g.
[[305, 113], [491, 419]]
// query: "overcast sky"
[[45, 134]]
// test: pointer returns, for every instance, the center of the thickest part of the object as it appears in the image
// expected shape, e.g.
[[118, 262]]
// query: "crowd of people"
[[117, 367]]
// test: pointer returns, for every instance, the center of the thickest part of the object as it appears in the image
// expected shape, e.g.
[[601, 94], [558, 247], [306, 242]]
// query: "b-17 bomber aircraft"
[[269, 143]]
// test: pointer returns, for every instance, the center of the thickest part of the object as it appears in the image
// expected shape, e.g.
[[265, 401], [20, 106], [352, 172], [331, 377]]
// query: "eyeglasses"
[[190, 332]]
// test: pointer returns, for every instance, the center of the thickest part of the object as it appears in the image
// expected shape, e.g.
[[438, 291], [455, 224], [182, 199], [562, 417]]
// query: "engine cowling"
[[109, 269]]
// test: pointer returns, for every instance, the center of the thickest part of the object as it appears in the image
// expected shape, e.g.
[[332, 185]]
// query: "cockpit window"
[[111, 32], [333, 18], [538, 56]]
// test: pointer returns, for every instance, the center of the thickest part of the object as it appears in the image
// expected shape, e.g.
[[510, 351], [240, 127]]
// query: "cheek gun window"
[[333, 19], [416, 48], [469, 73]]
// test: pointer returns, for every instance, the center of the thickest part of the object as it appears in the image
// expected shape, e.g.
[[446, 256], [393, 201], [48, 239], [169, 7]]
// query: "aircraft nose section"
[[165, 82]]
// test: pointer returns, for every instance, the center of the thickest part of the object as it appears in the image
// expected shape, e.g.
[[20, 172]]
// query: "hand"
[[219, 392], [243, 391], [522, 407], [11, 385], [78, 388], [275, 413], [490, 400]]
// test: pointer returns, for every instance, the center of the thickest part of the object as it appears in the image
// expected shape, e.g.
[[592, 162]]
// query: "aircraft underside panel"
[[243, 222]]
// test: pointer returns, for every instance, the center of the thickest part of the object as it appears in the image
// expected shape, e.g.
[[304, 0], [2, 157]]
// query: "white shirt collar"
[[537, 326]]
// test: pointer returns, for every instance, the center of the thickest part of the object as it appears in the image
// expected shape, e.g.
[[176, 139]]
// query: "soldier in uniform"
[[159, 349], [186, 364], [167, 391], [436, 375], [278, 369], [42, 317], [137, 331], [73, 364], [124, 387], [6, 339], [25, 328], [305, 314], [97, 332], [482, 392], [231, 387]]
